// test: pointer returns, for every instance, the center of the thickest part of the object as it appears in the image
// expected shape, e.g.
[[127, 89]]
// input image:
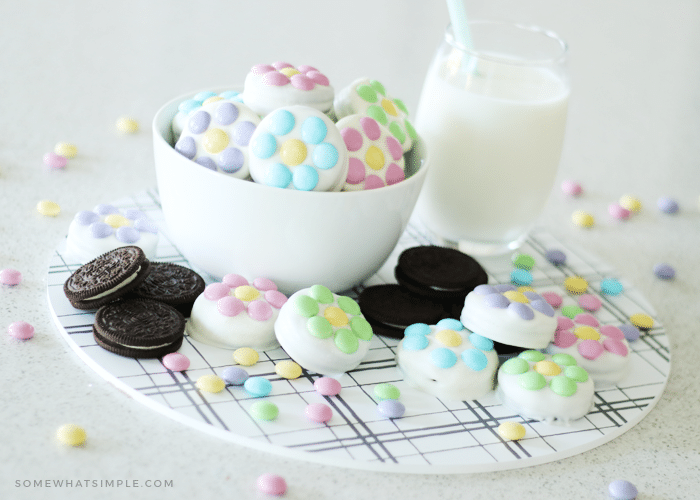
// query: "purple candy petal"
[[85, 217], [105, 209], [631, 332], [496, 300], [226, 114], [523, 311], [146, 225], [504, 287], [127, 234], [242, 133], [134, 213], [532, 295], [199, 122], [206, 162], [186, 147], [485, 290], [231, 160], [542, 306], [100, 230]]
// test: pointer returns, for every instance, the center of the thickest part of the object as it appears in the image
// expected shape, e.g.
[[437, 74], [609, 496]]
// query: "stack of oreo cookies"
[[141, 305], [433, 282]]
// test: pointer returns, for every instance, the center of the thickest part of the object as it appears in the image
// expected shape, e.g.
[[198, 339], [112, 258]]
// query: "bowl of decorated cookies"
[[288, 178]]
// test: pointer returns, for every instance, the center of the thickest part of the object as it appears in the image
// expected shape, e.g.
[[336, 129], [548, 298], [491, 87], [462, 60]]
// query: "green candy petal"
[[378, 114], [378, 87], [306, 306], [361, 328], [348, 305], [397, 132], [400, 104], [320, 327], [346, 341], [563, 386], [367, 93], [322, 294], [576, 373], [532, 355], [564, 359], [532, 381], [515, 366], [411, 130]]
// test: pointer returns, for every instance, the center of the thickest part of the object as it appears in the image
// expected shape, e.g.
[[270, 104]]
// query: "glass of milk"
[[493, 118]]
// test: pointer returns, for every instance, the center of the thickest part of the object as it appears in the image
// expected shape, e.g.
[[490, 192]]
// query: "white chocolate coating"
[[320, 355], [503, 323], [456, 383]]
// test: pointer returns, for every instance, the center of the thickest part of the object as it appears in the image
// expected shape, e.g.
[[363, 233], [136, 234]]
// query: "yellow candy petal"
[[389, 107]]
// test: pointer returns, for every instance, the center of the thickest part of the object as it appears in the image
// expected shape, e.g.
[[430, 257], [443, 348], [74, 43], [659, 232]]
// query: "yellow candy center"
[[116, 221], [212, 99], [246, 293], [374, 158], [335, 316], [215, 140], [289, 72], [292, 152], [586, 333], [448, 338], [514, 296], [389, 107], [547, 368]]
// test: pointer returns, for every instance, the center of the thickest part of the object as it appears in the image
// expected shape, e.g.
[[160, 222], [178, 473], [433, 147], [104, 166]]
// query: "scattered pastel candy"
[[618, 212], [664, 271], [571, 188], [246, 356], [386, 391], [288, 369], [571, 311], [176, 362], [327, 386], [66, 149], [127, 125], [258, 386], [10, 277], [583, 219], [576, 284], [631, 332], [234, 375], [272, 484], [520, 277], [555, 257], [391, 408], [71, 435], [622, 490], [21, 330], [552, 298], [523, 261], [318, 412], [641, 320], [512, 431], [53, 160], [48, 208], [264, 410], [630, 203], [611, 286], [667, 205], [210, 383], [589, 302]]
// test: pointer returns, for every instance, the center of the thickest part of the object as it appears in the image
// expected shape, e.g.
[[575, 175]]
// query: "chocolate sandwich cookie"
[[107, 277], [439, 272], [390, 309], [172, 284], [139, 328]]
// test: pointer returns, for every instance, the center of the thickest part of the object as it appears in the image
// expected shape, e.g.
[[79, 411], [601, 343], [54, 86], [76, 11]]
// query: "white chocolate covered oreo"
[[189, 106], [323, 332], [447, 360], [505, 315]]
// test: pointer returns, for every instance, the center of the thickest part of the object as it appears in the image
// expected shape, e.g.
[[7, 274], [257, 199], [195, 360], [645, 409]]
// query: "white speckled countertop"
[[69, 69]]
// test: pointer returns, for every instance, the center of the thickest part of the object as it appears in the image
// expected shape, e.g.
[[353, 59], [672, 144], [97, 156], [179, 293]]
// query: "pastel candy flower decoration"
[[188, 107]]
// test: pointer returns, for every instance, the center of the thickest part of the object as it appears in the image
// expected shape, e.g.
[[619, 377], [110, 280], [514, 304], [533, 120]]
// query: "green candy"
[[397, 132], [576, 373], [400, 104], [532, 381], [515, 366], [523, 261], [377, 86], [378, 114], [386, 391], [306, 306], [564, 359], [348, 305], [367, 93], [563, 386], [571, 311], [361, 328], [411, 130], [346, 341], [320, 327], [322, 294], [532, 355], [264, 410]]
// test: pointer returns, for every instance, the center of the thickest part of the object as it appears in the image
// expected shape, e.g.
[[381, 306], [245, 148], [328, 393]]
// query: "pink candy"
[[618, 212], [564, 339], [318, 412], [327, 386], [272, 484], [590, 349], [53, 160], [552, 298], [176, 362], [216, 291], [234, 280], [21, 330], [230, 306], [275, 298], [571, 188], [589, 302], [259, 310], [10, 277]]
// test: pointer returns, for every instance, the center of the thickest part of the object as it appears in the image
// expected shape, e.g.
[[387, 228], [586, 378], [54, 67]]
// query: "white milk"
[[493, 157]]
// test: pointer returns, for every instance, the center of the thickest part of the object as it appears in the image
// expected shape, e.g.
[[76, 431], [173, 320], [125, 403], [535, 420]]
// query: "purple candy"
[[667, 205], [532, 295], [631, 332], [146, 225], [242, 133], [133, 213], [186, 147], [664, 271], [105, 209], [100, 230], [85, 217], [199, 122], [622, 490], [206, 162], [391, 408], [542, 306], [556, 257], [523, 311], [485, 290], [504, 287], [234, 375], [127, 234], [496, 300], [226, 114], [231, 160]]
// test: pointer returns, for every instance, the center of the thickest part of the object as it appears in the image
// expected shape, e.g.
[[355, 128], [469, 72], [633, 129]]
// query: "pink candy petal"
[[615, 346], [215, 291], [302, 82], [261, 69], [571, 188], [553, 299], [370, 127], [395, 148], [589, 302], [235, 280], [274, 79], [394, 174], [564, 339], [275, 299], [586, 319], [259, 310], [264, 284], [618, 212], [281, 65], [318, 78], [564, 323], [272, 484], [612, 332], [327, 386], [590, 349], [305, 68], [373, 182], [53, 160], [356, 171], [352, 138], [230, 306]]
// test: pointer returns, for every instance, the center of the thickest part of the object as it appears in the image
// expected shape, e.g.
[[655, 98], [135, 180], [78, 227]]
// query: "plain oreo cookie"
[[439, 272], [172, 284], [107, 277], [139, 328], [391, 308]]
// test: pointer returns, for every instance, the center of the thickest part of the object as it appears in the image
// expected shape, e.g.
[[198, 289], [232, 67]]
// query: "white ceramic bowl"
[[297, 239]]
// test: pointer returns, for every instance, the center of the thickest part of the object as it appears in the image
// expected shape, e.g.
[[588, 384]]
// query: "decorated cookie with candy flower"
[[506, 315], [545, 387], [447, 360], [189, 106], [323, 332], [235, 313], [94, 232], [601, 349]]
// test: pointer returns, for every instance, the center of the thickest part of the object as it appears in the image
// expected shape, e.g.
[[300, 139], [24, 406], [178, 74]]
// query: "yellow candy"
[[514, 296], [215, 140], [212, 99], [289, 72], [127, 125], [374, 158], [48, 208], [71, 434], [630, 203], [292, 152], [583, 219], [246, 293], [66, 149], [245, 356], [576, 284], [335, 316], [524, 289], [210, 383], [512, 431], [586, 333], [288, 369], [389, 107], [641, 320], [548, 368], [116, 221], [448, 338]]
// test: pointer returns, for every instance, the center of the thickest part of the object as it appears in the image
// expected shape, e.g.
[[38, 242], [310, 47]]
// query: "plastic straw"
[[460, 25]]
